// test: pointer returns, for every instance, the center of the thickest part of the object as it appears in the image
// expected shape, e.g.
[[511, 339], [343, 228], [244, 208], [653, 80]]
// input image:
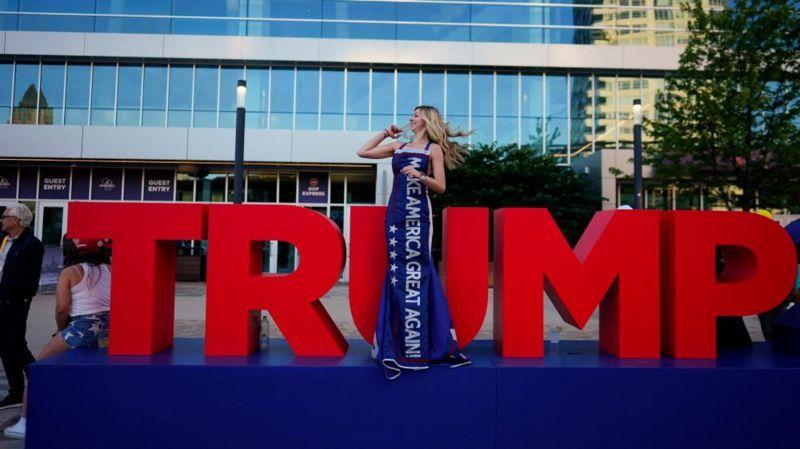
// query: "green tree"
[[509, 176], [729, 117]]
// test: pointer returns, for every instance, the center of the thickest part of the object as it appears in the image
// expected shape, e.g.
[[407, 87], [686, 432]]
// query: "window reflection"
[[307, 115], [507, 105], [154, 100], [581, 92], [5, 92], [382, 98], [407, 94], [482, 107], [77, 111], [129, 95], [257, 102], [229, 77], [104, 79], [51, 94], [332, 99], [206, 84], [26, 92], [457, 98], [532, 102], [180, 96], [433, 90], [605, 113], [556, 129], [282, 99], [357, 102]]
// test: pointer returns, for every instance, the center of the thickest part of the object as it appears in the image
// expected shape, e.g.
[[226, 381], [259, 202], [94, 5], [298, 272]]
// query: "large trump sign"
[[652, 274]]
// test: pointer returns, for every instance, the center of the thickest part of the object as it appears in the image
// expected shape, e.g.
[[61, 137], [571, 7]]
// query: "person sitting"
[[83, 298]]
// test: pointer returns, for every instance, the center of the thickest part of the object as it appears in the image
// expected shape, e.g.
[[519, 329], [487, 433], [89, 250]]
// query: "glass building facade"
[[583, 22], [565, 114]]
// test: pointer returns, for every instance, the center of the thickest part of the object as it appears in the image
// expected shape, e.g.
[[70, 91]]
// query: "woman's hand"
[[393, 131], [411, 171]]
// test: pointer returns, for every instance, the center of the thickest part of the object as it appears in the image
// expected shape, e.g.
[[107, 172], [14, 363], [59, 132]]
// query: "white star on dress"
[[392, 242], [394, 280], [394, 267], [392, 228], [392, 254]]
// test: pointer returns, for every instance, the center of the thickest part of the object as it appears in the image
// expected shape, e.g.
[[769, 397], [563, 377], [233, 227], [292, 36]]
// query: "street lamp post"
[[238, 166], [637, 154]]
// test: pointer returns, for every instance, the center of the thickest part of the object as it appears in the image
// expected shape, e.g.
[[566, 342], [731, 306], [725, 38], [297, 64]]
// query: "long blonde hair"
[[439, 132]]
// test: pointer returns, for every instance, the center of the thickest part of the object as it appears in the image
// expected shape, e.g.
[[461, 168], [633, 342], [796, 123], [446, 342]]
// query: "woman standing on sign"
[[414, 327]]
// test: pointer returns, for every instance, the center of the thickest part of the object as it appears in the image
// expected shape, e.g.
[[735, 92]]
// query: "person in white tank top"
[[83, 299]]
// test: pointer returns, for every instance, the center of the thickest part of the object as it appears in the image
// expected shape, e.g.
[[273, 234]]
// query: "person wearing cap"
[[20, 266], [83, 301]]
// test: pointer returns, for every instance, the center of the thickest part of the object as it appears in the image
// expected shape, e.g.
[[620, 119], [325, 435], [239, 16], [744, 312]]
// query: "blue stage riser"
[[573, 397]]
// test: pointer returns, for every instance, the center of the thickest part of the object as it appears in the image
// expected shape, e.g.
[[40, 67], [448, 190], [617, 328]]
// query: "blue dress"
[[414, 328]]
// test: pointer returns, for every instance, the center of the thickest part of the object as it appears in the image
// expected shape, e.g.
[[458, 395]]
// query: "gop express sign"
[[651, 273]]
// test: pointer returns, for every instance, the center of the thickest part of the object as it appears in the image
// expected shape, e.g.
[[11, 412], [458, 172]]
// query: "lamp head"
[[637, 112], [241, 93]]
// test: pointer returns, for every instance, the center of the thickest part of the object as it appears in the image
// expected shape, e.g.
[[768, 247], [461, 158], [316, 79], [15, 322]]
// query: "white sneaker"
[[16, 431]]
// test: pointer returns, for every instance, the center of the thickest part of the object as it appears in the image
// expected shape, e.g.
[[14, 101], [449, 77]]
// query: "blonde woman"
[[414, 328]]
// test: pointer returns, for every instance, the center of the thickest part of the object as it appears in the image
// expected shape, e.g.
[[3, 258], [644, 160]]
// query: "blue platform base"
[[575, 397]]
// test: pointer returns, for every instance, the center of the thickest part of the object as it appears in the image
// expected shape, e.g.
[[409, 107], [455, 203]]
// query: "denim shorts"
[[83, 330]]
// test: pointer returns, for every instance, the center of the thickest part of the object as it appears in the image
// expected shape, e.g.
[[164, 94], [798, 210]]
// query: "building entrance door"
[[50, 226]]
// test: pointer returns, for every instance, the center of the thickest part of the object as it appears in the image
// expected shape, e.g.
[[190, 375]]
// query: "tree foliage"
[[509, 176], [730, 115]]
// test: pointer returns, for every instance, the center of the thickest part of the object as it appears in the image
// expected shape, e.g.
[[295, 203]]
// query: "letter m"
[[615, 265]]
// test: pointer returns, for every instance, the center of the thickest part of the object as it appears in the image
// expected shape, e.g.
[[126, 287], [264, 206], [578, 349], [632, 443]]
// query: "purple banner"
[[80, 183], [106, 184], [8, 182], [159, 185], [313, 188], [27, 182], [133, 185], [54, 183]]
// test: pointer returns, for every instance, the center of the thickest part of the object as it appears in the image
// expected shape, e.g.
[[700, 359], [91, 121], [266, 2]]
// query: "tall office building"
[[134, 100]]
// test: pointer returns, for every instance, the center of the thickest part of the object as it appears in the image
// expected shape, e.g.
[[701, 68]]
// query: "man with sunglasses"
[[20, 266]]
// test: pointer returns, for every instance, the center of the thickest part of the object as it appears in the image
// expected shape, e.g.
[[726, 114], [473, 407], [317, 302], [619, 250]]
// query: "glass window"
[[229, 78], [556, 109], [51, 94], [433, 90], [531, 100], [154, 101], [360, 188], [6, 75], [605, 113], [180, 96], [501, 15], [281, 101], [382, 98], [307, 115], [57, 23], [8, 22], [457, 98], [337, 187], [104, 82], [129, 95], [332, 99], [288, 187], [431, 12], [507, 106], [77, 111], [130, 24], [337, 215], [346, 10], [482, 107], [581, 92], [26, 91], [262, 187], [184, 188], [211, 187], [206, 84], [257, 102], [651, 89], [687, 198], [294, 9], [209, 8], [407, 94], [357, 99]]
